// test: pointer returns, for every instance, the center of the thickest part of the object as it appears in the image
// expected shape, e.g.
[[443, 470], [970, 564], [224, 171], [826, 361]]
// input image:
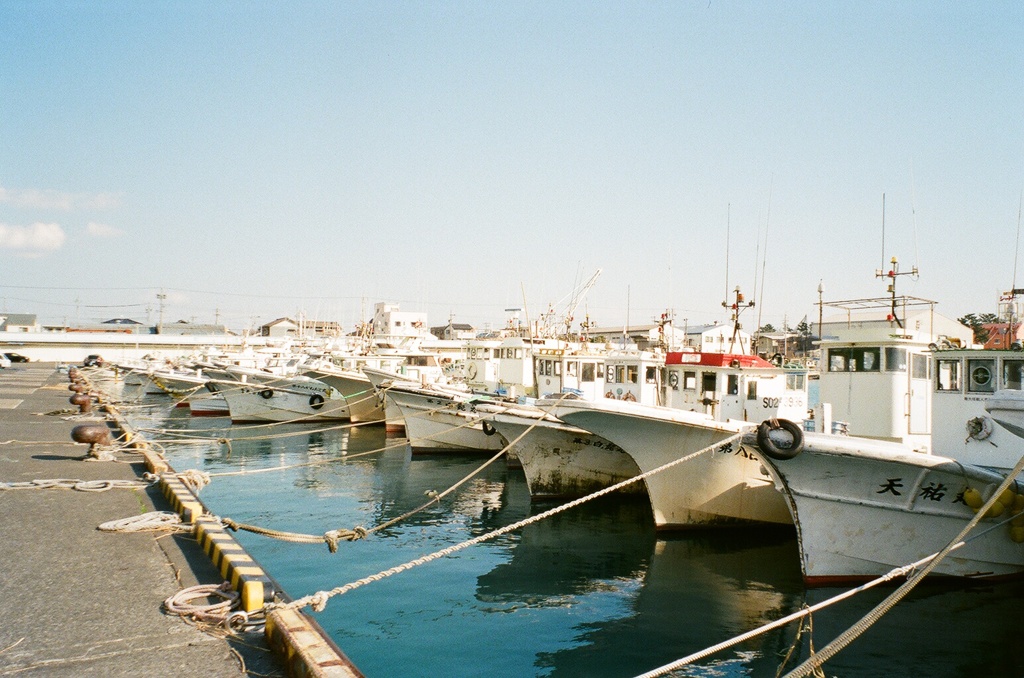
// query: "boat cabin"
[[734, 386], [965, 380], [635, 376], [875, 372]]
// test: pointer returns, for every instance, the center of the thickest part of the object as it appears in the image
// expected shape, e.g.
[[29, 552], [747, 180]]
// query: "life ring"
[[609, 394], [488, 429], [471, 371], [267, 393], [768, 445], [629, 397], [316, 401], [673, 379], [979, 428]]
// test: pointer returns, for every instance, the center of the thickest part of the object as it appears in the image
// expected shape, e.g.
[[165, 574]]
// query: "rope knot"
[[229, 524], [331, 537], [194, 479], [318, 601]]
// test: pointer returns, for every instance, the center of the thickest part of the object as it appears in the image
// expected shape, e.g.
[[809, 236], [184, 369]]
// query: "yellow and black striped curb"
[[236, 566], [183, 499]]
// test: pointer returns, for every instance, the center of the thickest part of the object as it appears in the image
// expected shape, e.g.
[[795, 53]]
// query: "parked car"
[[5, 362], [93, 360], [16, 357]]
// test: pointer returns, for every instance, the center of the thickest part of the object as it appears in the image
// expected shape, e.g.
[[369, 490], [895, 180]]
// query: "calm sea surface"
[[589, 592]]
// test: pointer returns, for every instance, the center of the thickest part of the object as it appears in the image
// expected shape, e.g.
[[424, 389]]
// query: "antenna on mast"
[[737, 307], [728, 208]]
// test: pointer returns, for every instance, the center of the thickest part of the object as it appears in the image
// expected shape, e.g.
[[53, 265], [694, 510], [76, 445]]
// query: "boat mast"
[[737, 307]]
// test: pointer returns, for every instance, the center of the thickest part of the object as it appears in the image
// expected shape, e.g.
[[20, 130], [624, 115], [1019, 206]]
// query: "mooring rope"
[[318, 601], [333, 537]]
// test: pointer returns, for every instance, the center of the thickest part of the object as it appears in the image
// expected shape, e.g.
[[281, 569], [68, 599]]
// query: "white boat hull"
[[863, 508], [260, 403], [435, 423], [562, 461], [208, 404], [363, 403], [726, 486]]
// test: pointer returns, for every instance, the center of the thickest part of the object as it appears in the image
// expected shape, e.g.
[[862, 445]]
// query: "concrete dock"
[[75, 600]]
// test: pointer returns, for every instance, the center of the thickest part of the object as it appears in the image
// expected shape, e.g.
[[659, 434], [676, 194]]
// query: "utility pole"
[[160, 323]]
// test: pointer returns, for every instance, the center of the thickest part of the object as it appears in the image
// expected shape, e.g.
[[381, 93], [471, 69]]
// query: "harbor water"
[[591, 591]]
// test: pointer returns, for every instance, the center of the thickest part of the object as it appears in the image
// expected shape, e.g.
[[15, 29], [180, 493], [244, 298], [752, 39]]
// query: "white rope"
[[147, 522], [181, 602], [75, 484]]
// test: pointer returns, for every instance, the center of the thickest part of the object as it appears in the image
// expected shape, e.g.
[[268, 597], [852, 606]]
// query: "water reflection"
[[699, 590]]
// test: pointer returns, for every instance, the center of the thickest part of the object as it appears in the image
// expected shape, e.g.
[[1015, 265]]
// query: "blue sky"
[[255, 159]]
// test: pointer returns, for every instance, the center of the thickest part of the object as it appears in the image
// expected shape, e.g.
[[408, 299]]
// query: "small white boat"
[[297, 399]]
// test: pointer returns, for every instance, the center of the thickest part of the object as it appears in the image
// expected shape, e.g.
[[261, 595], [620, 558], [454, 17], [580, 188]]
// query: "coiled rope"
[[147, 522], [222, 613], [81, 485]]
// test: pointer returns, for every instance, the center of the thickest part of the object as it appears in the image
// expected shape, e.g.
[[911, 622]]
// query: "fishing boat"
[[295, 399], [726, 486], [863, 506], [443, 419]]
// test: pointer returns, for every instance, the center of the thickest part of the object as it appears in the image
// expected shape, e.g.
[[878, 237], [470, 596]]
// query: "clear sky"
[[256, 159]]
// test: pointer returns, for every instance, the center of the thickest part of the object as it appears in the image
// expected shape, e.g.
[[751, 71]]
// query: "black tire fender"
[[488, 429], [267, 393], [770, 448], [316, 401]]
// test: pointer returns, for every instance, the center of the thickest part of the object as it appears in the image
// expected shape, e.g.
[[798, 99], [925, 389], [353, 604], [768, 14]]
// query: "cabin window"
[[751, 390], [689, 381], [587, 372], [708, 381], [651, 375], [734, 384], [632, 374], [895, 359], [854, 359], [948, 375], [837, 360], [571, 368], [918, 366], [1013, 371], [795, 382], [558, 367], [600, 370], [519, 354], [982, 375], [620, 374]]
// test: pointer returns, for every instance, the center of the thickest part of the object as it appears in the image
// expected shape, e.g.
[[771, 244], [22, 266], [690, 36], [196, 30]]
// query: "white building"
[[19, 322], [389, 321]]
